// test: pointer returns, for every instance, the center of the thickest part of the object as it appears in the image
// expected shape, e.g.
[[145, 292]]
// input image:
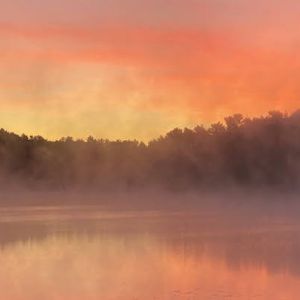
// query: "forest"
[[252, 152]]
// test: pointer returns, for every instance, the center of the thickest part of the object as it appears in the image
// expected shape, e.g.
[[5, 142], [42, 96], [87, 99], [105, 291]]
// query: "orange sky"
[[137, 68]]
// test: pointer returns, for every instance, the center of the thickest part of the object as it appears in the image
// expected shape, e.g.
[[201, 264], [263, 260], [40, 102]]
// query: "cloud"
[[176, 69]]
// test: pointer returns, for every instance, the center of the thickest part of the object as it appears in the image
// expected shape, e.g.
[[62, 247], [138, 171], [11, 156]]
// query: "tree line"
[[254, 152]]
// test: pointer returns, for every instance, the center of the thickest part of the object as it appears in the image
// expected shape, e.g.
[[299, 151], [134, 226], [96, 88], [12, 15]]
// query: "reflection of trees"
[[275, 252], [255, 152]]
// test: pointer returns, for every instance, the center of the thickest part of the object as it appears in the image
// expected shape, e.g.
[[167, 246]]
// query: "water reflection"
[[146, 256]]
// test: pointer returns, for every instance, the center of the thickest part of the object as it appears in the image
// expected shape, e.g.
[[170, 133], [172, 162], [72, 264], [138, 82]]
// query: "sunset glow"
[[136, 68]]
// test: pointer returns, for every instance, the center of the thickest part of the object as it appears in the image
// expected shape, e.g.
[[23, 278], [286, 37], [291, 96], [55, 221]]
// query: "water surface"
[[83, 253]]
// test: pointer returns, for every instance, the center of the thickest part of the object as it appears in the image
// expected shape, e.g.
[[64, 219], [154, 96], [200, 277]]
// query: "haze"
[[137, 69]]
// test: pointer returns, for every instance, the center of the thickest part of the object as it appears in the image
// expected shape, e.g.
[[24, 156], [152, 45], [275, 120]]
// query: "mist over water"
[[220, 248], [196, 214], [114, 185]]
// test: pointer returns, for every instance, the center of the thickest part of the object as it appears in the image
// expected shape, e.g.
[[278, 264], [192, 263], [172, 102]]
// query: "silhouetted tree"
[[242, 151]]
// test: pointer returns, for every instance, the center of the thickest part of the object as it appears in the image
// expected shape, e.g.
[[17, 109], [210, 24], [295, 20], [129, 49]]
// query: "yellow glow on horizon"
[[124, 82]]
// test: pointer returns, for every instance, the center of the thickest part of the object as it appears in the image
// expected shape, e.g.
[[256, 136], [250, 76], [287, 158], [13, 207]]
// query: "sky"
[[135, 69]]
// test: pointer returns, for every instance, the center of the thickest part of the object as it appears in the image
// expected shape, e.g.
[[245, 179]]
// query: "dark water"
[[82, 253]]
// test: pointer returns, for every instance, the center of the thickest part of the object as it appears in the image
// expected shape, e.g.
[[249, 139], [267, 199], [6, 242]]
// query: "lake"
[[89, 253]]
